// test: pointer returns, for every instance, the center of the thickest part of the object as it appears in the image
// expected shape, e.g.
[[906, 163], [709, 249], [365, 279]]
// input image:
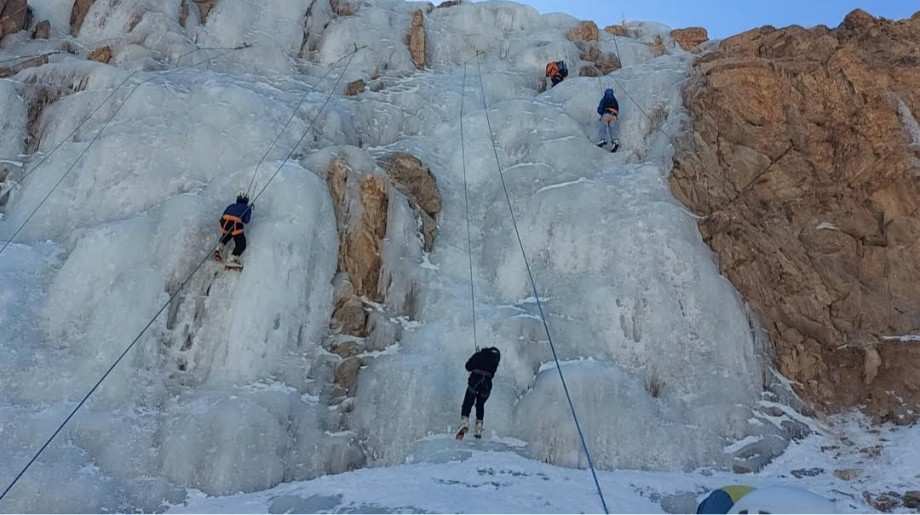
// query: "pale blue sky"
[[723, 18]]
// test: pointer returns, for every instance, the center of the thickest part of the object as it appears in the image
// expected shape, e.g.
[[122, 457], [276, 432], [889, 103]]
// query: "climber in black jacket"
[[481, 366]]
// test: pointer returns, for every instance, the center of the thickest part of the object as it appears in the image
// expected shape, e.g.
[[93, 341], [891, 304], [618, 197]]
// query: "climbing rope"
[[634, 101], [101, 379], [533, 285], [466, 203], [294, 113], [310, 127], [99, 133], [171, 297]]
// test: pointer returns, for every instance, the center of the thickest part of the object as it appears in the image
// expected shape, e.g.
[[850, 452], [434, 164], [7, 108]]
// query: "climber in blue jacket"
[[609, 111], [231, 226]]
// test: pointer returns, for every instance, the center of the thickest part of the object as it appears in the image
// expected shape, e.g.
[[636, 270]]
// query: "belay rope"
[[466, 203], [533, 285], [173, 296], [332, 66]]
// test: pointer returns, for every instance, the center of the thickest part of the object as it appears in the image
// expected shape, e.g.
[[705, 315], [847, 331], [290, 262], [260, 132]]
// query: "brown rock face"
[[414, 180], [607, 63], [617, 30], [589, 71], [42, 30], [361, 203], [604, 62], [14, 16], [343, 8], [805, 161], [657, 47], [5, 189], [348, 315], [204, 8], [40, 90], [690, 38], [912, 499], [362, 228], [589, 52], [346, 373], [359, 243], [78, 13], [355, 87], [884, 501], [18, 66], [183, 13], [415, 39], [584, 31], [102, 54]]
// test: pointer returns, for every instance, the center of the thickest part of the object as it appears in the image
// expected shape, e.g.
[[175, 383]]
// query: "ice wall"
[[223, 376], [623, 275], [227, 388]]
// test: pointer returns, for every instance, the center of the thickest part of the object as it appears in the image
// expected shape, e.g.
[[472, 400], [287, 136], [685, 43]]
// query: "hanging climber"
[[556, 71], [609, 109], [231, 226], [481, 366]]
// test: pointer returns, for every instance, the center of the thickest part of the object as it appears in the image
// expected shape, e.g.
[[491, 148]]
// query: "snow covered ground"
[[489, 477], [226, 391]]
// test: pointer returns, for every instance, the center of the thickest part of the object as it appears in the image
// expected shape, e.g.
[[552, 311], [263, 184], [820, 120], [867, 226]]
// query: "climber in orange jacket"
[[556, 71], [231, 226]]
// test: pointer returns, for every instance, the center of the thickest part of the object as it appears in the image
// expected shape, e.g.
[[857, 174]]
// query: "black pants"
[[478, 389], [239, 242]]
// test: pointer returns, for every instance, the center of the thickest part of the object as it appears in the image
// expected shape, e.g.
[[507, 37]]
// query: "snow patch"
[[563, 184], [903, 338], [788, 412], [910, 125], [426, 262]]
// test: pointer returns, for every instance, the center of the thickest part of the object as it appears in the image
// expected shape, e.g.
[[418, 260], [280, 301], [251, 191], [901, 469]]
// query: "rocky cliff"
[[804, 162], [14, 15]]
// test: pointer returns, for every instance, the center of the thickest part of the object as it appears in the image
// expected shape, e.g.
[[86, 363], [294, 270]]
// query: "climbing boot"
[[477, 429], [464, 426]]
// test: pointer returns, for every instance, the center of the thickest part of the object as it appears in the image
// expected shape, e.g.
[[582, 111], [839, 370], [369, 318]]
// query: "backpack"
[[563, 69]]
